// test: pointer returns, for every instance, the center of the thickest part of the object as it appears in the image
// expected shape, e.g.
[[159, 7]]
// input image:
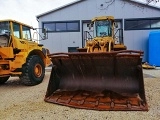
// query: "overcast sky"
[[27, 10]]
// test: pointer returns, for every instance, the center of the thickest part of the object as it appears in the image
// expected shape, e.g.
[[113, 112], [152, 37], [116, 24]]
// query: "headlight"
[[3, 41]]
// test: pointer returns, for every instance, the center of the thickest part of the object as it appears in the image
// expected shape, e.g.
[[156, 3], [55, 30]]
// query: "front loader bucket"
[[98, 81]]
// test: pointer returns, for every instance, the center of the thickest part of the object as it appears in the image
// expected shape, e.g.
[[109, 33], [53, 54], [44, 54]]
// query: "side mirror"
[[44, 34], [90, 26], [115, 25]]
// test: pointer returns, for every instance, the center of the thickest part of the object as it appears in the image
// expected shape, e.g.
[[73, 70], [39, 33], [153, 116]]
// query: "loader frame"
[[18, 50]]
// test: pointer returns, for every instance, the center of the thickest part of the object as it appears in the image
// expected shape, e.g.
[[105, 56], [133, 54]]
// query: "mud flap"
[[98, 81]]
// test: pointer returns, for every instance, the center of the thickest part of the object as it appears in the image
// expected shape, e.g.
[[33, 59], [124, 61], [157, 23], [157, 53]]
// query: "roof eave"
[[61, 7]]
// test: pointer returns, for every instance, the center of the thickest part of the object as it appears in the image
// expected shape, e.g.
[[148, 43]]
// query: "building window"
[[142, 24], [73, 26], [50, 27], [62, 26], [155, 23], [72, 49]]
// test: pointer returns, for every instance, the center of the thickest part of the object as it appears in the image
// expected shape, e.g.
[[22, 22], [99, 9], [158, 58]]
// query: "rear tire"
[[33, 71], [3, 79]]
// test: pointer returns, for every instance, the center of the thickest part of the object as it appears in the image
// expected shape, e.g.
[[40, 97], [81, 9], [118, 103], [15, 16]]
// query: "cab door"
[[118, 32], [18, 42], [87, 32]]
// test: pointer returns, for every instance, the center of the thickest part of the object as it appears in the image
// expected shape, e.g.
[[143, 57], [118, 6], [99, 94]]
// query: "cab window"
[[26, 33], [16, 30], [103, 28]]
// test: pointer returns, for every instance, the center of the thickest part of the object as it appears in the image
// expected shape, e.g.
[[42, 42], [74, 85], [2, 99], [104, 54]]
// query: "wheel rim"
[[38, 70]]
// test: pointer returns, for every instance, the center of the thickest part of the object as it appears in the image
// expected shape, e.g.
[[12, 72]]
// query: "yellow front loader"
[[101, 76], [20, 54]]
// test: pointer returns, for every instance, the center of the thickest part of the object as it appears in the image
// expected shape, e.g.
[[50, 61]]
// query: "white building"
[[66, 25]]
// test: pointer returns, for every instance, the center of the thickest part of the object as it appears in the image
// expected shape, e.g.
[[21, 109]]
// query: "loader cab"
[[104, 39], [105, 34], [10, 29], [103, 26]]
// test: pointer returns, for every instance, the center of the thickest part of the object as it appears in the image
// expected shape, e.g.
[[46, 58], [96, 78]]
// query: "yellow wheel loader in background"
[[101, 76], [20, 55]]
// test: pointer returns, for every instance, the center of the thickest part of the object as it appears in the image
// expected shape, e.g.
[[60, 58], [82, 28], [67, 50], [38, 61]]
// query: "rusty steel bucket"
[[98, 81]]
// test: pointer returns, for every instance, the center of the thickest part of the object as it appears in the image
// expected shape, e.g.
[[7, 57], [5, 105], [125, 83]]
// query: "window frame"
[[63, 22], [136, 20]]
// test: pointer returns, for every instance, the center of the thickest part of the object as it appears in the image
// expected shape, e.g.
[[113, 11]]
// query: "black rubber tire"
[[33, 71], [3, 79]]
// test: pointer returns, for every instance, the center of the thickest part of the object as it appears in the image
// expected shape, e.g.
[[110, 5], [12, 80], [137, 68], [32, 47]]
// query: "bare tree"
[[152, 1]]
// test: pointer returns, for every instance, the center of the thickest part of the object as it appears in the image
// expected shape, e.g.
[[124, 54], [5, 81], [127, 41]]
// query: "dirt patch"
[[27, 102]]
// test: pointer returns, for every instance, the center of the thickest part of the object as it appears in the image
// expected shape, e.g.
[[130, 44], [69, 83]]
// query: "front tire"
[[33, 71], [3, 79]]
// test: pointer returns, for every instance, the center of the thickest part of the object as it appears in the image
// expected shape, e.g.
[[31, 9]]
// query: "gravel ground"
[[19, 102]]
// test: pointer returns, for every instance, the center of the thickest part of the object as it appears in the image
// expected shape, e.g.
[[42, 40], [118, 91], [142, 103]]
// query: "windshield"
[[4, 28], [103, 28]]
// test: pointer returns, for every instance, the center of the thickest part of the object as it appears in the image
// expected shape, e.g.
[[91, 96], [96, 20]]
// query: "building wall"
[[86, 10]]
